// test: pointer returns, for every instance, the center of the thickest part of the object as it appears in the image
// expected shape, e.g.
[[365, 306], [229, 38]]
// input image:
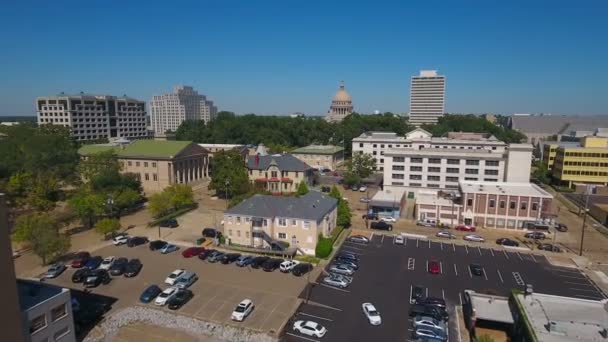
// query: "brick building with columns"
[[158, 163]]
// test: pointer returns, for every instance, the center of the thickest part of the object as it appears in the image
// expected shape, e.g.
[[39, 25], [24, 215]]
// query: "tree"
[[87, 206], [228, 166], [107, 226], [302, 189], [361, 165], [41, 232], [97, 164], [159, 204], [344, 215], [335, 193], [171, 199], [541, 173], [125, 199]]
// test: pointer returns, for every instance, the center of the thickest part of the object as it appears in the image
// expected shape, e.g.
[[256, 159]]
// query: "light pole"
[[227, 183], [580, 251]]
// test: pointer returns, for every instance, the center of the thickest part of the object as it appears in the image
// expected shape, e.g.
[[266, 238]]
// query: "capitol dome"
[[341, 105], [342, 95]]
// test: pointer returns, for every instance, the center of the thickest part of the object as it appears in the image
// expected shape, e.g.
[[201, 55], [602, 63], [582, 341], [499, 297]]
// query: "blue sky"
[[267, 56]]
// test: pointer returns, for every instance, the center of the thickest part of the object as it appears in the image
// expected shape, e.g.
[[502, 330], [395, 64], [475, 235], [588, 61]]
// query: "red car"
[[80, 259], [465, 228], [434, 267], [192, 252]]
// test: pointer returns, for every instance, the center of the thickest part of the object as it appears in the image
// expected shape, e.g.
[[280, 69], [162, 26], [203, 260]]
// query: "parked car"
[[242, 310], [181, 297], [287, 265], [429, 334], [388, 219], [259, 261], [118, 267], [465, 228], [429, 322], [244, 260], [136, 241], [205, 254], [341, 269], [372, 315], [347, 262], [301, 269], [445, 234], [434, 301], [370, 216], [80, 275], [347, 255], [96, 278], [325, 189], [157, 244], [363, 188], [185, 280], [165, 296], [535, 235], [428, 310], [310, 328], [173, 276], [418, 293], [335, 282], [381, 225], [271, 264], [132, 268], [230, 258], [354, 187], [169, 223], [211, 233], [55, 270], [93, 262], [561, 227], [426, 223], [80, 259], [474, 238], [507, 242], [399, 240], [358, 239], [549, 247], [120, 239], [192, 252], [364, 200], [434, 267], [346, 278], [149, 293], [169, 248], [107, 263], [215, 256], [476, 269]]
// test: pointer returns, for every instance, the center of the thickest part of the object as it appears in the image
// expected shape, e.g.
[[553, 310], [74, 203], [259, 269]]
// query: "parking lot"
[[388, 271], [217, 292]]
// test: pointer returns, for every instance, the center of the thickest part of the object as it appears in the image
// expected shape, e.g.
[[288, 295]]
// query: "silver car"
[[474, 238], [341, 277], [55, 270], [428, 322], [445, 234], [335, 282], [342, 269]]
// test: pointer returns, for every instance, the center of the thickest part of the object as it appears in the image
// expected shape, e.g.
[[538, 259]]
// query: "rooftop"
[[504, 188], [388, 197], [489, 307], [140, 148], [434, 199], [285, 162], [556, 124], [86, 150], [312, 206], [32, 293], [318, 149]]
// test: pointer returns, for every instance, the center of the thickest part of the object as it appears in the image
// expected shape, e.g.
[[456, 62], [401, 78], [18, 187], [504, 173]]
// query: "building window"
[[382, 160], [452, 170], [374, 153], [491, 162], [502, 204], [416, 177], [472, 162], [470, 178], [523, 206], [146, 176], [238, 233], [491, 172], [154, 177], [136, 163], [360, 144], [415, 168], [434, 161], [153, 164], [247, 234], [282, 222], [382, 146], [399, 159], [512, 205], [434, 169], [58, 313], [433, 178], [282, 236], [294, 222], [451, 179], [416, 185], [534, 206], [453, 161], [61, 333], [273, 174], [397, 176], [470, 202], [306, 225], [129, 163], [238, 220], [471, 171], [229, 232], [492, 203], [416, 160], [398, 167], [433, 185], [145, 164], [37, 324], [375, 145]]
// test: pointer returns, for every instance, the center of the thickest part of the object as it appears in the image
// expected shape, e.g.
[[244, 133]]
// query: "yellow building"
[[549, 150], [585, 164]]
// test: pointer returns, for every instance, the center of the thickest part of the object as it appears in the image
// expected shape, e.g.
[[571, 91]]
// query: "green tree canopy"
[[359, 167], [42, 234], [87, 206], [302, 189], [228, 166], [107, 226], [171, 199], [473, 123]]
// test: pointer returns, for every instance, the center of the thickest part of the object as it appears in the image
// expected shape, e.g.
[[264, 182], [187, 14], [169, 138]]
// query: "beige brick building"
[[278, 173], [320, 157]]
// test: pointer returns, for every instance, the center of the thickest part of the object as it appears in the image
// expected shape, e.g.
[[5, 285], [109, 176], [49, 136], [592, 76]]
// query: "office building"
[[587, 163], [320, 157], [341, 105], [94, 117], [278, 173], [168, 111], [556, 127], [427, 98], [548, 150]]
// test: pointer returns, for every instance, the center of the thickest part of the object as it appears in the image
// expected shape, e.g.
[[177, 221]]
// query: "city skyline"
[[269, 59]]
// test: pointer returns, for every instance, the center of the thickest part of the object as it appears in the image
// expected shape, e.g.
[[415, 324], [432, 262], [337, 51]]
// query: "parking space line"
[[441, 267], [319, 317], [532, 255], [500, 276], [581, 284], [455, 270], [411, 264], [382, 241], [506, 256], [460, 299], [454, 247], [302, 337], [429, 243], [479, 248], [484, 273], [470, 275], [427, 292], [334, 288], [417, 243], [405, 242], [371, 237], [571, 277], [411, 294], [466, 249], [443, 294], [492, 251], [587, 290], [441, 245], [519, 255]]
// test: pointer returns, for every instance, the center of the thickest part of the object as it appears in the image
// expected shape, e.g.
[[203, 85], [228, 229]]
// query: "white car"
[[164, 296], [242, 310], [341, 269], [474, 237], [388, 219], [363, 189], [120, 239], [310, 328], [172, 278], [334, 281], [107, 263], [445, 234], [429, 322], [373, 316], [358, 239], [399, 240], [287, 265]]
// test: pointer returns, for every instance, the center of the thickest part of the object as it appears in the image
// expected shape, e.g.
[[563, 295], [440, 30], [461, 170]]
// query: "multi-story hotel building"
[[93, 117], [168, 111], [427, 98], [587, 163]]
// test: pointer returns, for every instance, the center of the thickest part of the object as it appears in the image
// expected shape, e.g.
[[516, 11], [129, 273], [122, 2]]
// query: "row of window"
[[129, 163], [592, 164], [586, 155], [40, 322], [434, 146], [274, 174], [281, 222], [584, 173], [502, 204], [470, 162]]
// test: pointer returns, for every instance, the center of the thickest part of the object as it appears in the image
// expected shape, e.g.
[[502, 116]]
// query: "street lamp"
[[110, 203], [580, 251], [227, 183]]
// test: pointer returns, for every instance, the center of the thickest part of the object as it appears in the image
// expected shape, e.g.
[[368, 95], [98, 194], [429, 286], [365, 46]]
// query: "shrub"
[[323, 248]]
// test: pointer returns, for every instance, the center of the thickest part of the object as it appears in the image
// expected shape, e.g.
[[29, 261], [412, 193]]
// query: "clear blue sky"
[[267, 56]]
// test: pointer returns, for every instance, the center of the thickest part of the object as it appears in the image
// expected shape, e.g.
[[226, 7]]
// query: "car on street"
[[271, 264], [372, 315], [381, 225], [370, 216], [434, 301], [560, 227], [230, 258], [157, 244], [363, 188], [445, 234], [185, 280], [341, 269], [476, 269], [150, 293], [192, 252], [132, 268], [335, 282], [259, 261], [96, 278], [535, 235], [172, 277], [428, 310], [210, 233], [205, 254], [358, 239], [434, 267], [429, 335], [120, 239], [181, 297], [548, 247], [118, 267], [164, 296], [136, 241], [429, 322], [287, 265], [169, 248], [474, 238], [426, 223], [55, 270], [169, 223], [107, 263], [507, 242], [310, 328], [80, 275], [418, 293], [244, 260], [80, 259], [93, 262], [465, 228], [388, 219], [364, 200], [215, 256], [242, 310], [399, 240], [301, 269]]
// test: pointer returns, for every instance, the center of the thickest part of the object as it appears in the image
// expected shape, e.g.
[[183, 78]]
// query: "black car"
[[370, 216], [535, 235], [561, 227], [325, 189], [204, 254], [507, 242], [157, 244], [428, 310], [432, 301], [136, 241], [132, 268], [150, 293], [259, 261], [418, 293], [96, 278], [347, 256], [229, 258], [301, 269], [381, 226], [181, 297], [271, 264], [93, 262], [169, 223], [80, 275], [118, 267], [548, 247], [211, 233], [476, 269]]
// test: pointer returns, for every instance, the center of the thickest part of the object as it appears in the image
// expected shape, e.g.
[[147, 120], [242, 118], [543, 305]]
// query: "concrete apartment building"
[[427, 98], [278, 173], [341, 105], [262, 220], [93, 117], [320, 157], [587, 163], [168, 111], [158, 163]]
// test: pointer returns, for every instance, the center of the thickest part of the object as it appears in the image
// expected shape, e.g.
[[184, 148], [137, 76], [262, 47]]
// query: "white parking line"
[[455, 270], [417, 243], [519, 255], [479, 248], [500, 276], [587, 290], [427, 291], [443, 294], [405, 242], [334, 288], [492, 251], [429, 243], [382, 241], [571, 277], [581, 284], [427, 265], [470, 275], [454, 247], [466, 249], [567, 271], [460, 299], [458, 321], [506, 255], [319, 317], [441, 267], [484, 273], [411, 301], [355, 248], [371, 237], [302, 337], [532, 255]]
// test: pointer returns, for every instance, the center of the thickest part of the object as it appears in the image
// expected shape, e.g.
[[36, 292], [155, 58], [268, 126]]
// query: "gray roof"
[[556, 124], [285, 162], [312, 206], [32, 293]]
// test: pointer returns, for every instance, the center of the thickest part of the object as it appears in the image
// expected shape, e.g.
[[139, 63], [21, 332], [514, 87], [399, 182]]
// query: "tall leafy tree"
[[107, 226], [229, 174], [88, 205], [41, 233], [302, 189], [171, 199]]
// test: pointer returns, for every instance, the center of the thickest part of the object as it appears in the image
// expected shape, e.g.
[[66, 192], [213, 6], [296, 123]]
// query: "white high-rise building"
[[168, 111], [427, 98]]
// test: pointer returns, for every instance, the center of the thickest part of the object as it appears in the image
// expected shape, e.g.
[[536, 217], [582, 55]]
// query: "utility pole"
[[227, 183], [580, 251]]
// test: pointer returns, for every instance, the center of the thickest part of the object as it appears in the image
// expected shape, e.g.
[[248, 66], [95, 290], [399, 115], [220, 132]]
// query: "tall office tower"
[[93, 117], [427, 98], [168, 111]]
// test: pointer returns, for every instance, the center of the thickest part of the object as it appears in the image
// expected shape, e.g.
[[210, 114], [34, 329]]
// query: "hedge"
[[172, 215], [323, 248]]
